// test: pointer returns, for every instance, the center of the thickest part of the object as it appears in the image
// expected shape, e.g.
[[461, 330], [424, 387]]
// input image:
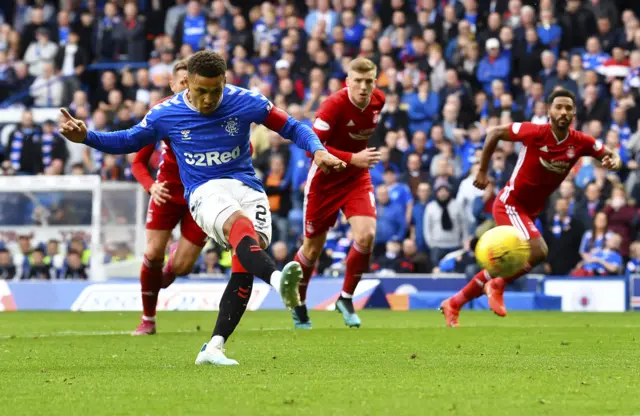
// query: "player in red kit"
[[167, 208], [548, 154], [344, 122]]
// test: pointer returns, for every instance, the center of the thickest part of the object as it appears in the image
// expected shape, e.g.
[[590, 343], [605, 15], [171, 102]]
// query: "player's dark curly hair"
[[561, 92], [207, 64]]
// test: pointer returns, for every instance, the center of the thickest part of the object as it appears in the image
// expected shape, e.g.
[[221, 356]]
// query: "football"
[[502, 251]]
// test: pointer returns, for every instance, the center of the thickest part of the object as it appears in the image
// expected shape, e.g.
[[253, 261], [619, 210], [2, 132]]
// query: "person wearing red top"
[[549, 152], [344, 122], [167, 208]]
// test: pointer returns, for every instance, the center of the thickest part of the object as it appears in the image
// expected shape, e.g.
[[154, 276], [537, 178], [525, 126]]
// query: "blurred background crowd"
[[450, 69]]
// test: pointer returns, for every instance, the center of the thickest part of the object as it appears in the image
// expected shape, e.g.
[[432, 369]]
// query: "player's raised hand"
[[328, 162], [159, 192], [482, 180], [366, 158], [72, 128]]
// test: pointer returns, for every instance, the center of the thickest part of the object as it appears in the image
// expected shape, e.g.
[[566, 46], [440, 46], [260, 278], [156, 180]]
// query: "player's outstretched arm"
[[494, 135], [291, 129], [139, 167], [117, 142]]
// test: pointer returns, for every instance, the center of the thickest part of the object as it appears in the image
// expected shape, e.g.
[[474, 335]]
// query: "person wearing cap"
[[444, 225], [493, 66], [39, 52]]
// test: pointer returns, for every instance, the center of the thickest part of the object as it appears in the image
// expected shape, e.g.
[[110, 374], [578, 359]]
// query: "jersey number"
[[260, 213]]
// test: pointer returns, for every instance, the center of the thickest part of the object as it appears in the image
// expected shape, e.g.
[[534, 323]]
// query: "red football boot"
[[145, 328], [450, 313], [494, 290]]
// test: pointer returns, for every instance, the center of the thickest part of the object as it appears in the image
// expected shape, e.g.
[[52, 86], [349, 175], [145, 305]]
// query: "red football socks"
[[307, 271], [472, 290], [150, 281], [357, 264], [168, 276]]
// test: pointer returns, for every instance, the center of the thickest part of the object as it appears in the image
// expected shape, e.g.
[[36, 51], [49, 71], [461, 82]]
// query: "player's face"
[[361, 86], [205, 93], [179, 82], [561, 112]]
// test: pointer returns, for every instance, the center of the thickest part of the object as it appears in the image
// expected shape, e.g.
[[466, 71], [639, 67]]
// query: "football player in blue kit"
[[208, 127]]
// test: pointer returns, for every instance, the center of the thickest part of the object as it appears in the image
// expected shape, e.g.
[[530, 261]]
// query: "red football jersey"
[[544, 162], [344, 127]]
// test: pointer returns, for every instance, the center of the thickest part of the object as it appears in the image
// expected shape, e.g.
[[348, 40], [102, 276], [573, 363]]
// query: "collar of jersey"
[[188, 103], [556, 137], [356, 105]]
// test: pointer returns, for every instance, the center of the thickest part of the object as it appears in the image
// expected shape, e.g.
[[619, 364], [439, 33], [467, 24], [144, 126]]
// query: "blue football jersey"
[[207, 147]]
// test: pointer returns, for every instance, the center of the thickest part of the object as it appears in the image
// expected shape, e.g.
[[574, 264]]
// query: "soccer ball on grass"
[[502, 251]]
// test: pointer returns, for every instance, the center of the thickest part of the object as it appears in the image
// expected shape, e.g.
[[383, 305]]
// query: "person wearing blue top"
[[208, 127], [192, 27], [606, 261], [391, 224], [422, 107], [549, 32], [593, 58], [493, 66], [353, 30]]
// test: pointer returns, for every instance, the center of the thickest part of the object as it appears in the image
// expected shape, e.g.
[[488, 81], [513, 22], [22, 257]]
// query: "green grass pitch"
[[398, 363]]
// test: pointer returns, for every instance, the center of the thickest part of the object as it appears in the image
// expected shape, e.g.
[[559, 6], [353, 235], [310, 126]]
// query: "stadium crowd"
[[450, 70]]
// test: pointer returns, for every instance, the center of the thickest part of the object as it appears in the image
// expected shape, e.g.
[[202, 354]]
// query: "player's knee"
[[154, 253], [365, 237], [539, 251], [311, 251]]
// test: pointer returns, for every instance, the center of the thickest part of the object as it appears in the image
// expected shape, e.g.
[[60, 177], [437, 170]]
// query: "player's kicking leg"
[[493, 286], [236, 215], [151, 278]]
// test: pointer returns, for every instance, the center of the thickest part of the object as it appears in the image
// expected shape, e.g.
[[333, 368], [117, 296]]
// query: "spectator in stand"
[[595, 238], [444, 225], [423, 107], [549, 32], [7, 76], [417, 221], [74, 268], [576, 22], [494, 66], [587, 208], [7, 268], [38, 269], [603, 262], [40, 52], [29, 151], [414, 175], [106, 35], [633, 265], [173, 16], [278, 190], [47, 89], [191, 27], [131, 34], [561, 79], [390, 262], [483, 205], [620, 212], [563, 235], [29, 33], [211, 263], [399, 193], [280, 253], [391, 224]]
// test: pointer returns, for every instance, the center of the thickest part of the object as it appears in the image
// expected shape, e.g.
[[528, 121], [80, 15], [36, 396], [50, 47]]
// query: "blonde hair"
[[179, 66], [362, 65]]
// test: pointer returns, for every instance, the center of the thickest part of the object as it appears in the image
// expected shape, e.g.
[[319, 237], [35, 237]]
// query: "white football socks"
[[275, 280]]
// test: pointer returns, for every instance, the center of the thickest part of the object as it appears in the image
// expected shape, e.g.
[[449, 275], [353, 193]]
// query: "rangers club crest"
[[231, 126], [571, 153]]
